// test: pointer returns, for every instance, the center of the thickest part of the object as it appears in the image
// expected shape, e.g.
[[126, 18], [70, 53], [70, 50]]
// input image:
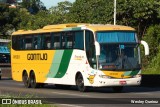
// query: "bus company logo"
[[91, 79], [16, 56], [6, 101], [37, 56], [78, 57]]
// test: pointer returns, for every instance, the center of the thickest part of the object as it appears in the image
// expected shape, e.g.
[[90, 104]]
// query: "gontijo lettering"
[[37, 56]]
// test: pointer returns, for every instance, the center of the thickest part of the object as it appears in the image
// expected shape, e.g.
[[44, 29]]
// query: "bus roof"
[[75, 26], [109, 27]]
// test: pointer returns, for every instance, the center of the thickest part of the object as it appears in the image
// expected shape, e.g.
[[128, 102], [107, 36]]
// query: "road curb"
[[150, 80]]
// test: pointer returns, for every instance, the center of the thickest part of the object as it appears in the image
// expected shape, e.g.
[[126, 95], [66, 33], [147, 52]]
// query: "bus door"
[[90, 48]]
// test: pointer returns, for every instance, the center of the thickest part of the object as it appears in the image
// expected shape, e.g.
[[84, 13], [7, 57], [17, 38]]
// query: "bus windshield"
[[119, 51]]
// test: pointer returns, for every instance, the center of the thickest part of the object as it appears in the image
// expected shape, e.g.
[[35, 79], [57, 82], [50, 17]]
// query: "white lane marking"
[[69, 105], [16, 83], [6, 77], [20, 84], [145, 93], [70, 94]]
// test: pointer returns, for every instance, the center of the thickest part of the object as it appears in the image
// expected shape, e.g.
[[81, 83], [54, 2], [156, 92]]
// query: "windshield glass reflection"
[[119, 57]]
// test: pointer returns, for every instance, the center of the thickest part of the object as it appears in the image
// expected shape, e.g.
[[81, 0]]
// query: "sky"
[[50, 3]]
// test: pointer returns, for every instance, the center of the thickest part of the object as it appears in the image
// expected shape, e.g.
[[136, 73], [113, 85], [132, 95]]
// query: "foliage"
[[37, 21], [55, 15], [154, 65], [9, 19], [152, 62], [138, 13], [33, 6], [60, 12], [91, 11], [152, 37], [26, 18]]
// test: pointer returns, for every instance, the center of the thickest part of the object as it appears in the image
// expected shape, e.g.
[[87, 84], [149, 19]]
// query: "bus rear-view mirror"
[[97, 46], [146, 47]]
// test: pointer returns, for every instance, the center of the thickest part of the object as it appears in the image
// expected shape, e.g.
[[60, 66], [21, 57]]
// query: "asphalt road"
[[106, 95]]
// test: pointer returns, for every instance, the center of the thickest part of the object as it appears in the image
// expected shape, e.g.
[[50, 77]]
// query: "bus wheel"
[[80, 83], [33, 80], [117, 89], [26, 80]]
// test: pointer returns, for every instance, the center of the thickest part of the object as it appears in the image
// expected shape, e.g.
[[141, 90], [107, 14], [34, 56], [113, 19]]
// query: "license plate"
[[122, 82]]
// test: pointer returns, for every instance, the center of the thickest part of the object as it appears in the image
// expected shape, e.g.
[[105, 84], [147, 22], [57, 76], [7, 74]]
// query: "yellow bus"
[[84, 55]]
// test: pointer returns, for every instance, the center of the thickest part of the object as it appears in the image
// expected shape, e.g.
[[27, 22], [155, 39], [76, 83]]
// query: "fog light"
[[138, 82]]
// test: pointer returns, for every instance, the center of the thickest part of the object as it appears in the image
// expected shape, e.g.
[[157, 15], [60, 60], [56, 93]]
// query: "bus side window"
[[47, 41], [70, 39], [28, 42], [15, 43], [56, 42], [37, 42], [67, 40], [79, 40], [63, 40], [21, 43]]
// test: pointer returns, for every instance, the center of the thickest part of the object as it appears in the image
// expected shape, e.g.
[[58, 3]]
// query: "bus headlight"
[[136, 76]]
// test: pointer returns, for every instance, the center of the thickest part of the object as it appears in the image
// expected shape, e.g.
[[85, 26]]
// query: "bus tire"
[[80, 83], [33, 82], [117, 89], [25, 79], [0, 78]]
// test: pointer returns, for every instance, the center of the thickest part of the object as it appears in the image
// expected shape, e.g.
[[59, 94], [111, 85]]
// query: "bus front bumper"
[[102, 82]]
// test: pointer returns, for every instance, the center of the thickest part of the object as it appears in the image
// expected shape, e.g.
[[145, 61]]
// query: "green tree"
[[138, 13], [60, 12], [26, 19], [91, 11], [153, 39], [154, 65], [9, 19], [33, 6], [31, 22], [41, 19]]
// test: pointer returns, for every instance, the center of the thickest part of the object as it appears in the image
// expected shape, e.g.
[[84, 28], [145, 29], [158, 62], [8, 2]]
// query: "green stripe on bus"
[[134, 73], [127, 73], [64, 63], [65, 29], [76, 28], [55, 63]]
